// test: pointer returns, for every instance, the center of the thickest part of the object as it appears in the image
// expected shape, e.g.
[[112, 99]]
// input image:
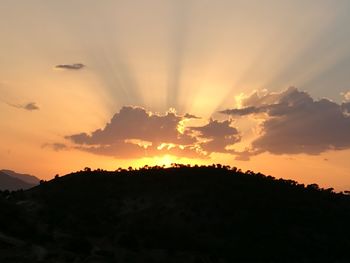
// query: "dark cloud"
[[75, 66], [296, 123], [215, 129], [31, 106], [190, 116], [217, 135], [134, 132], [268, 103], [118, 149], [137, 123], [246, 154], [293, 123], [243, 111]]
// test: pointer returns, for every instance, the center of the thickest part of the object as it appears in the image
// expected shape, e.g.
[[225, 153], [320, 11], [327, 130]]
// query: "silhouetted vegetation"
[[179, 214]]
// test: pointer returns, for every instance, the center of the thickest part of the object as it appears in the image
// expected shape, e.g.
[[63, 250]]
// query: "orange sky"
[[197, 56]]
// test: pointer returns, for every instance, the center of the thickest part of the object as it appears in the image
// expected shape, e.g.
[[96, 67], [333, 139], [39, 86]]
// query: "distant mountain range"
[[10, 180]]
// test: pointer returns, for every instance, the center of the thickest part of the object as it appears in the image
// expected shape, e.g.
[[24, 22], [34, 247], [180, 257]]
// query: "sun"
[[166, 160]]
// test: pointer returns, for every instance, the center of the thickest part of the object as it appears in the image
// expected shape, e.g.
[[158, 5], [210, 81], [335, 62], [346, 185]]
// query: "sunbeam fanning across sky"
[[262, 85]]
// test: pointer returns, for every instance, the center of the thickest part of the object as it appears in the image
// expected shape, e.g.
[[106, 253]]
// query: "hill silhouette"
[[179, 214]]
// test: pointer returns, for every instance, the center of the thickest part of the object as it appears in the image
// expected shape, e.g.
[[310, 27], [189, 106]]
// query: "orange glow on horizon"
[[166, 160]]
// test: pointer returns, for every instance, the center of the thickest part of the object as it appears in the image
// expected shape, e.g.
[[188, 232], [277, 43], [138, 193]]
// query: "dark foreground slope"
[[184, 214]]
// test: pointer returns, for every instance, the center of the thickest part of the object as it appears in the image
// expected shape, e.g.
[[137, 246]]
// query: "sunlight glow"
[[166, 160], [141, 143], [167, 146]]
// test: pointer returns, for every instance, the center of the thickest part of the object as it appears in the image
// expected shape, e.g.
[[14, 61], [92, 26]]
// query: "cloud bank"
[[134, 132], [296, 123], [292, 123]]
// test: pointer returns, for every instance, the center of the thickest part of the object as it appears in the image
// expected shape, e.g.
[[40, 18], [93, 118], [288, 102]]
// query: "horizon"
[[259, 86]]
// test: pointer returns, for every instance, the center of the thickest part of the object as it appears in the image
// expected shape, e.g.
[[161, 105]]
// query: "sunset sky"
[[261, 85]]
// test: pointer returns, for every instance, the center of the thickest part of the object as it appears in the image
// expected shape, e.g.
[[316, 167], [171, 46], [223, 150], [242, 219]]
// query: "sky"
[[261, 85]]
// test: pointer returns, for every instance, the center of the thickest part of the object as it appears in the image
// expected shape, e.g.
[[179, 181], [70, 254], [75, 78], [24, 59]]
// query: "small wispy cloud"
[[75, 66], [55, 146], [31, 106]]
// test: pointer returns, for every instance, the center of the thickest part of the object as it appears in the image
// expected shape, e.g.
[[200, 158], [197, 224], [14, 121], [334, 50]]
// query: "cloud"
[[137, 123], [55, 146], [31, 106], [217, 135], [134, 132], [268, 102], [245, 155], [244, 111], [75, 66], [291, 122], [296, 123], [190, 116]]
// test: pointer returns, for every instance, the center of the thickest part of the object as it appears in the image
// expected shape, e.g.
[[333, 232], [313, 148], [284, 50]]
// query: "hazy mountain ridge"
[[8, 182], [28, 178], [182, 214]]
